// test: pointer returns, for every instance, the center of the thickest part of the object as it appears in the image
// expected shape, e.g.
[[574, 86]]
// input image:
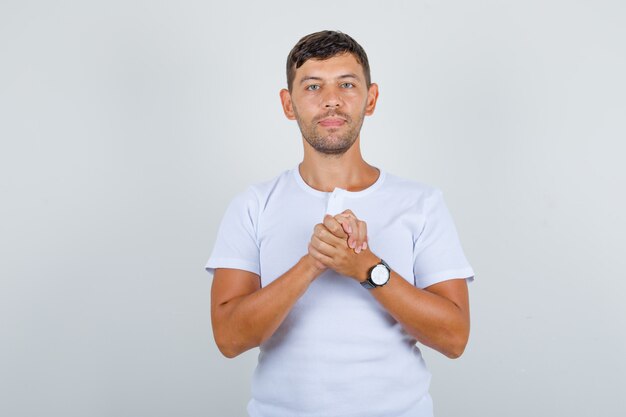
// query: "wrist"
[[367, 261], [378, 275], [312, 267]]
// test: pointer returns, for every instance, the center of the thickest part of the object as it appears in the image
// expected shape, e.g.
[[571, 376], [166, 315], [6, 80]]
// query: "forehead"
[[333, 67]]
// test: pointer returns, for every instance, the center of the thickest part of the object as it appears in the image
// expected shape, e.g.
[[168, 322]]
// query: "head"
[[329, 91], [323, 45]]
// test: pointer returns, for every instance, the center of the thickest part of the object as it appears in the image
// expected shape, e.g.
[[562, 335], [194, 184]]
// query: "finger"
[[322, 247], [355, 240], [320, 257], [349, 213], [349, 225], [334, 226], [343, 220], [322, 233], [362, 232]]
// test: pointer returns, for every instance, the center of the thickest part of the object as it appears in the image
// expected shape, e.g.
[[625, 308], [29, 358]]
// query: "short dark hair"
[[323, 45]]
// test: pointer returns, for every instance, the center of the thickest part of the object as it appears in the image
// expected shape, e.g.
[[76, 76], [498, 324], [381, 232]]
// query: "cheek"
[[355, 101], [311, 103], [307, 111]]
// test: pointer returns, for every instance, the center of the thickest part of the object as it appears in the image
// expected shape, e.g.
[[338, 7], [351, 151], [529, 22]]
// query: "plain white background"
[[127, 126]]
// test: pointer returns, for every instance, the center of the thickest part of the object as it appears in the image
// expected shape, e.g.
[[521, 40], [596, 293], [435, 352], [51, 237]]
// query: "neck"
[[348, 170]]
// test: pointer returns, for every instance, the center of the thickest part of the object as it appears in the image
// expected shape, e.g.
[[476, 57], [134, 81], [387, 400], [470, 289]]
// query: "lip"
[[332, 122]]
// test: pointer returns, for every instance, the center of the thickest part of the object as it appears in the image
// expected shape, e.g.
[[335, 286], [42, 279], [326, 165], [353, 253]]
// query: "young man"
[[335, 268]]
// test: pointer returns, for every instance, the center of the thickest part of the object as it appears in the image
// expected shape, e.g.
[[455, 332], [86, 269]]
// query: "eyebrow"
[[309, 78]]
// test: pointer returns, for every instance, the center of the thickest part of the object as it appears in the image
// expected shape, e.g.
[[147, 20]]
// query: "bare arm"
[[437, 316], [244, 315]]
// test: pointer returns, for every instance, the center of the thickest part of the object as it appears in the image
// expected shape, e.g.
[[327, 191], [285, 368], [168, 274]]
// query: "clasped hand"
[[340, 243]]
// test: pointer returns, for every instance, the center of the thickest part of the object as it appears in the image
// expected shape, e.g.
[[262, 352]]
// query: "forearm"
[[245, 322], [433, 320], [437, 316]]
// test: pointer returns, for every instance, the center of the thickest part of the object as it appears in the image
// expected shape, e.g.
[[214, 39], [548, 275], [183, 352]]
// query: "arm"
[[437, 316], [244, 315]]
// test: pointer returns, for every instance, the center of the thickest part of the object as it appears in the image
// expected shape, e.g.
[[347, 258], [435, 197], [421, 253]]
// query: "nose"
[[331, 99]]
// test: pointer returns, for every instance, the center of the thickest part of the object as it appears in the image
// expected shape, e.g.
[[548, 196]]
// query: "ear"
[[372, 97], [285, 99]]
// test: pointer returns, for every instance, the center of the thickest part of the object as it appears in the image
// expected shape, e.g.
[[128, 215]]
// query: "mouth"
[[332, 122]]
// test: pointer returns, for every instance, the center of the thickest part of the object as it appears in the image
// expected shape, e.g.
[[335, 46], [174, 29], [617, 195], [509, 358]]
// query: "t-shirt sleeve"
[[437, 252], [236, 245]]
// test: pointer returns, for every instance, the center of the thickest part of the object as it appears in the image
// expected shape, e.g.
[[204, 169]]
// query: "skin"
[[329, 100]]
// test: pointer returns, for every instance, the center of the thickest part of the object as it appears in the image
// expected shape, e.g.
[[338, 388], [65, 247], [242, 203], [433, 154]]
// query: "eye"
[[347, 85], [313, 87]]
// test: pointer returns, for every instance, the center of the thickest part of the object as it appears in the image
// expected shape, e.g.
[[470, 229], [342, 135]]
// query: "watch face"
[[380, 275]]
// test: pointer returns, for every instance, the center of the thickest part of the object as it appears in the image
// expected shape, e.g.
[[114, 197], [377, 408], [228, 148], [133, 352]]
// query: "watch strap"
[[367, 284]]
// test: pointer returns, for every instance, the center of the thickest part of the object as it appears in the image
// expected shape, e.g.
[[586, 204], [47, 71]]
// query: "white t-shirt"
[[338, 352]]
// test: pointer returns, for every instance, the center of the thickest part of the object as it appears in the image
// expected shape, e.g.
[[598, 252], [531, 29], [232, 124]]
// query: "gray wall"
[[127, 126]]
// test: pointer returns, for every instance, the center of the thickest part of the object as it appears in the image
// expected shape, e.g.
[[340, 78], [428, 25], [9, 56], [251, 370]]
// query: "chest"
[[286, 226]]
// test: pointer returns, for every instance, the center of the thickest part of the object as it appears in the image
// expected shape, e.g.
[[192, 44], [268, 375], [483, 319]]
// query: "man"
[[335, 268]]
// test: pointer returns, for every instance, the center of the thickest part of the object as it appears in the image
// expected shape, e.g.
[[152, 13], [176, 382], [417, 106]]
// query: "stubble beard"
[[330, 143]]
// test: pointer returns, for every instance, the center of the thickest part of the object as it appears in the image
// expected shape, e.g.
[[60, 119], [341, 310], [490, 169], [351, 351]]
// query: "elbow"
[[451, 347], [455, 352], [227, 342], [225, 345], [228, 353], [457, 346], [229, 348]]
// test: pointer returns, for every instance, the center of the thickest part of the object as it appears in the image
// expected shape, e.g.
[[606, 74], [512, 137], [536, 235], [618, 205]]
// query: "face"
[[329, 100]]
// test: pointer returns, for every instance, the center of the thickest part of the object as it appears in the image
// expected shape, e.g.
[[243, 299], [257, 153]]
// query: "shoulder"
[[257, 194], [263, 188], [416, 191]]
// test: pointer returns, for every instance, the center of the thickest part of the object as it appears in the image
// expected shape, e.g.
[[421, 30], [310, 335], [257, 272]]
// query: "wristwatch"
[[377, 276]]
